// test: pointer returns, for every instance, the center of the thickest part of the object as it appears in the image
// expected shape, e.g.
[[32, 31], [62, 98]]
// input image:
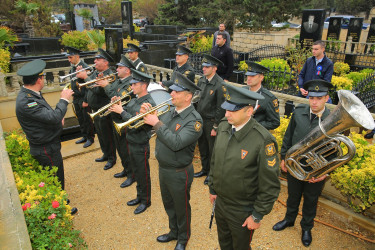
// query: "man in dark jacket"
[[225, 54]]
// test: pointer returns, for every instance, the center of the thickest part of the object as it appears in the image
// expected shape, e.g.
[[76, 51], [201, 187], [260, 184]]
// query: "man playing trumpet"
[[138, 139], [97, 98]]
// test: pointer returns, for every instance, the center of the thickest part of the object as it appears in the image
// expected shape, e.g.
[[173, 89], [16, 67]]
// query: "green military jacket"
[[139, 65], [142, 134], [299, 126], [41, 123], [267, 113], [177, 136], [78, 95], [244, 168], [211, 98], [96, 97], [119, 88], [185, 69]]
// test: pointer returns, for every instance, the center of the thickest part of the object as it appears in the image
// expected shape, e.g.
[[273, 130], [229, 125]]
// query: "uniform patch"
[[142, 69], [211, 92], [270, 149], [197, 126], [224, 89], [178, 126], [32, 104], [277, 110], [123, 93], [187, 72], [272, 163], [275, 103], [243, 153], [28, 95]]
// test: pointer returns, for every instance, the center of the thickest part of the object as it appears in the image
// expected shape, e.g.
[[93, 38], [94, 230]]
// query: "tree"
[[354, 7], [27, 9], [178, 14], [148, 8], [86, 14]]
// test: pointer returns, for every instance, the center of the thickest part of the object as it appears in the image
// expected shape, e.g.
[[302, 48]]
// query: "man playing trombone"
[[120, 88], [96, 98], [177, 134], [84, 120], [138, 139]]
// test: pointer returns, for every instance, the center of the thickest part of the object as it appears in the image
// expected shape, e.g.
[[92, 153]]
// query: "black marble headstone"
[[355, 28], [312, 26], [127, 19], [334, 28], [113, 42], [371, 32]]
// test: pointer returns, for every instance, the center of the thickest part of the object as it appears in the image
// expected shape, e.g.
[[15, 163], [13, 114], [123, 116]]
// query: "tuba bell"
[[319, 152]]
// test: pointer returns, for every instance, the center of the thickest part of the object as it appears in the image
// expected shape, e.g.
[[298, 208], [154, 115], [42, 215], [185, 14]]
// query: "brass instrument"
[[319, 152], [62, 78], [67, 86], [137, 121], [90, 84], [103, 111]]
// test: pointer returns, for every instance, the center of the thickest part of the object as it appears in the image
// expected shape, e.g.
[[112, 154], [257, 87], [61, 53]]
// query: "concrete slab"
[[71, 149]]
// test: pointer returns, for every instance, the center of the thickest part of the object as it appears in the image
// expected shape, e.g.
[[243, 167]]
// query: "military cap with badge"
[[104, 55], [140, 77], [124, 62], [237, 98], [317, 87], [33, 68], [71, 51], [182, 83], [255, 69], [181, 50], [132, 48], [209, 61]]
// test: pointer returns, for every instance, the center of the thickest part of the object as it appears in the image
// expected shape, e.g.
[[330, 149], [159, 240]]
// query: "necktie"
[[233, 130], [312, 117], [175, 113]]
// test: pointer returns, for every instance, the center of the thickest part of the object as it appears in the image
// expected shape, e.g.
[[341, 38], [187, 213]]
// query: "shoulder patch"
[[177, 127], [275, 103], [32, 104], [243, 153], [211, 92], [197, 126], [270, 149], [28, 95], [271, 163]]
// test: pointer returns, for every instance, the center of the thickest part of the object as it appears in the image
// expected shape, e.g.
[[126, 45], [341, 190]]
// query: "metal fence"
[[365, 90]]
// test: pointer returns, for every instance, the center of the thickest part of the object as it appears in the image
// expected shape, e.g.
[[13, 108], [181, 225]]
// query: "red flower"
[[41, 184], [70, 244], [52, 216], [26, 206], [55, 204]]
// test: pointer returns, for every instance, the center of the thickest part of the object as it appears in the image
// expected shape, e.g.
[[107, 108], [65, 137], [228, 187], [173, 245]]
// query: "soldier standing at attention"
[[138, 139], [42, 124], [244, 175], [267, 112], [84, 120], [133, 51], [177, 134], [209, 107]]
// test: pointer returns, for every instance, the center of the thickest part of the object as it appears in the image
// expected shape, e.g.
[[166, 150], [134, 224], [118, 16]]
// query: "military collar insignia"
[[177, 126], [275, 103], [243, 153], [197, 126], [270, 149], [211, 92], [228, 96]]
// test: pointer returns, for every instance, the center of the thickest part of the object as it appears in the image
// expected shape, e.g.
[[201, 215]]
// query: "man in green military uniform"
[[182, 57], [177, 134], [243, 179], [304, 119], [42, 124], [133, 53], [138, 139], [119, 88], [267, 112], [96, 98], [84, 120], [209, 107]]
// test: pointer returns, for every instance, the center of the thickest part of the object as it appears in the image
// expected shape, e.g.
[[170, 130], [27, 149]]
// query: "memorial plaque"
[[371, 32], [127, 19], [113, 42], [334, 28], [312, 26], [355, 28]]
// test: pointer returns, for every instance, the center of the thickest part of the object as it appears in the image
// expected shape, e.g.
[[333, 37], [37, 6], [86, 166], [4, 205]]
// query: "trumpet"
[[103, 111], [62, 78], [67, 86], [90, 85], [138, 121]]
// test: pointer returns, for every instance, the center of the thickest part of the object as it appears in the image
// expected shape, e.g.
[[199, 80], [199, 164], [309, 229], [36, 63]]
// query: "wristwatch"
[[255, 219]]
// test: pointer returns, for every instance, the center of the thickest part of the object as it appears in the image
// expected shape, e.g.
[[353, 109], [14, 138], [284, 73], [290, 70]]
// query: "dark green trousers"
[[229, 220], [206, 144], [85, 123], [123, 150], [175, 187], [311, 193], [103, 127], [139, 155]]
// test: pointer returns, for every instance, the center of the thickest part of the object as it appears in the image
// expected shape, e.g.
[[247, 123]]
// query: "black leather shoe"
[[200, 174], [179, 246], [120, 175], [82, 140], [165, 238], [127, 183], [206, 181], [281, 225], [109, 165], [101, 159], [369, 135], [134, 202], [141, 208], [74, 211], [88, 143], [306, 238]]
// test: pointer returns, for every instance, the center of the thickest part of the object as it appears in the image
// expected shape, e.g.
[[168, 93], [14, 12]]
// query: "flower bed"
[[47, 215]]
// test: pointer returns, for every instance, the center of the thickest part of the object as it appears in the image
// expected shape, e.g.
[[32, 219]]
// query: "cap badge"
[[317, 88]]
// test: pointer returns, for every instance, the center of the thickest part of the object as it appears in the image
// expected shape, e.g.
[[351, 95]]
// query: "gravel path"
[[106, 222]]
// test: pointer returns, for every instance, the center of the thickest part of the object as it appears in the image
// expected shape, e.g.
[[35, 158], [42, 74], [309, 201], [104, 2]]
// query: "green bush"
[[76, 39], [47, 216], [341, 68], [280, 74], [198, 42]]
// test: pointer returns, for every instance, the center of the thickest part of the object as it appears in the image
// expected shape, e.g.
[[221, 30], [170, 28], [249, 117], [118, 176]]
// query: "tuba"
[[320, 152]]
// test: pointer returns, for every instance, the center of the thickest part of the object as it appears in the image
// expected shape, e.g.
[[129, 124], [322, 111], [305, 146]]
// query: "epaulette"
[[263, 131], [268, 93]]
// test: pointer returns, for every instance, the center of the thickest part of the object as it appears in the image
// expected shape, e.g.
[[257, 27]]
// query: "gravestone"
[[355, 29], [127, 19], [80, 22], [312, 26], [334, 28], [113, 42], [371, 36]]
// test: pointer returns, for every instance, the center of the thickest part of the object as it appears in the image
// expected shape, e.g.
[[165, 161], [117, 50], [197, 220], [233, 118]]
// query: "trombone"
[[103, 111], [136, 120], [110, 78], [62, 78]]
